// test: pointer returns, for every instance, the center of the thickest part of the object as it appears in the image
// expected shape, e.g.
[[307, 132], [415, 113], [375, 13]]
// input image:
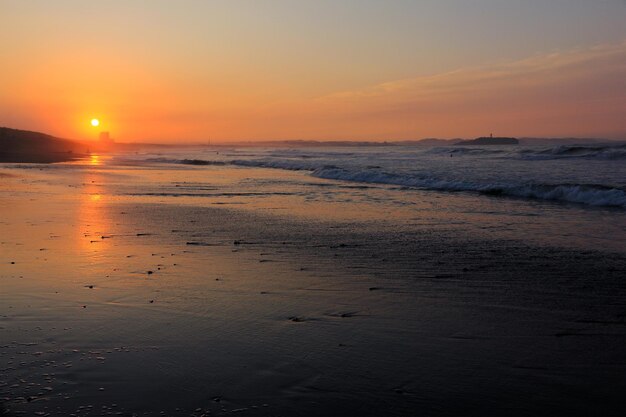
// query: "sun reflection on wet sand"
[[91, 160], [94, 160], [93, 220]]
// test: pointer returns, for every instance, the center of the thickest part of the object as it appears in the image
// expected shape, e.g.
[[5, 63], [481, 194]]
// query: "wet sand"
[[117, 305]]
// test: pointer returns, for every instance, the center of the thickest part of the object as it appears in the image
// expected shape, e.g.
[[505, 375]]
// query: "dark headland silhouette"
[[26, 146], [34, 147]]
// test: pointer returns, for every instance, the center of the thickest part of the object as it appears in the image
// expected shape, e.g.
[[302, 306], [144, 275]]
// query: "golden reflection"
[[94, 160], [93, 219]]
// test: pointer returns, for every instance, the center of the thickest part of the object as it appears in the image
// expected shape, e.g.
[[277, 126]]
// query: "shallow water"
[[586, 175], [573, 198]]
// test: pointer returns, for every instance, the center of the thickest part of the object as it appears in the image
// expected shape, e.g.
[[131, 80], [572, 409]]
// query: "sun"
[[95, 122]]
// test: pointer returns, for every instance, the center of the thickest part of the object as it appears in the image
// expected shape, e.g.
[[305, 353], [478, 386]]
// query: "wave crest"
[[589, 194], [578, 151], [601, 152]]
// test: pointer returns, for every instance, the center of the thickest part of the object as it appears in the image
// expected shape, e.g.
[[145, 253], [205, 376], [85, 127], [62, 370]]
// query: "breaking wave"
[[477, 151], [606, 152], [187, 161], [291, 165], [589, 194], [601, 152]]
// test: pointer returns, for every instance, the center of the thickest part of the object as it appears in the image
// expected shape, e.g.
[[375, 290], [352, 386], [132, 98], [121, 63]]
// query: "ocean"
[[587, 175], [319, 281], [577, 193]]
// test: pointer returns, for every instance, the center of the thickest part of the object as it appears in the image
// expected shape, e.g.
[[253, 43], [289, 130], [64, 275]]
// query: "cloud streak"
[[579, 92]]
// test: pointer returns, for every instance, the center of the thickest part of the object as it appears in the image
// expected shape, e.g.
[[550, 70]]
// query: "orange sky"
[[194, 71]]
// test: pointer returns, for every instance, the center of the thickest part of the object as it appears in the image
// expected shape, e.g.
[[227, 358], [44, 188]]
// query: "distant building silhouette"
[[105, 138]]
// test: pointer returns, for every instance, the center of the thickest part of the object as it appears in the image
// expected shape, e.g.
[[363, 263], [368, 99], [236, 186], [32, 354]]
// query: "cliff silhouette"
[[26, 146]]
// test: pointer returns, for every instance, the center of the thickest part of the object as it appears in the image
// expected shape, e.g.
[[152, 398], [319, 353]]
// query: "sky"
[[238, 70]]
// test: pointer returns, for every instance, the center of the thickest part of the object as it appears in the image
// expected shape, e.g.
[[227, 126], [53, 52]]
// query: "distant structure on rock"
[[105, 138]]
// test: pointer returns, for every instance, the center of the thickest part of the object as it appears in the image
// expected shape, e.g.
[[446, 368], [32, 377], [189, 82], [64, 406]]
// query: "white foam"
[[593, 195], [354, 170]]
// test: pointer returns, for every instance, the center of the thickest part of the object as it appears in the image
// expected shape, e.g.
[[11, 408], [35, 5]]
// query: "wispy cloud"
[[575, 92]]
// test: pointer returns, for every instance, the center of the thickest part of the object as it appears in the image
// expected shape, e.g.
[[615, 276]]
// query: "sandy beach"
[[120, 301]]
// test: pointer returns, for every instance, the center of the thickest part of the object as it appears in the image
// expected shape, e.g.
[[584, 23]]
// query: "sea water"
[[554, 195], [585, 175], [557, 195]]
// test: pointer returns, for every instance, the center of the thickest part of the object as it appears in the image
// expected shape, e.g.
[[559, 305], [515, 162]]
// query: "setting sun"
[[95, 122]]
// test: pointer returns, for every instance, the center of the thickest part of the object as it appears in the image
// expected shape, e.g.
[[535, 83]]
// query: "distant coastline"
[[526, 141], [23, 146], [34, 147]]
